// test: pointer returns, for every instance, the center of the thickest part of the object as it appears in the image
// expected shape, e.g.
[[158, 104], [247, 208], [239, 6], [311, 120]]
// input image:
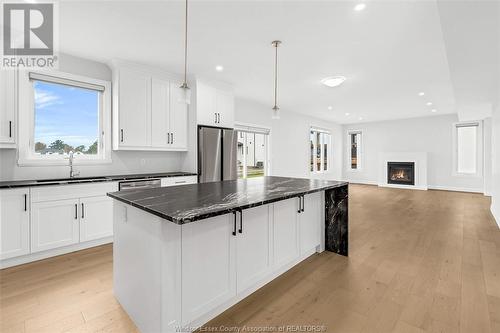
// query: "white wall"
[[427, 134], [289, 140], [123, 162]]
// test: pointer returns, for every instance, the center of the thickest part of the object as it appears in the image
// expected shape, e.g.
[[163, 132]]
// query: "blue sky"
[[65, 113]]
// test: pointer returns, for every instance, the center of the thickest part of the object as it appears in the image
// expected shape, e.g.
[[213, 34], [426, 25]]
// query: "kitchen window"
[[467, 148], [320, 148], [354, 139], [64, 113], [253, 145]]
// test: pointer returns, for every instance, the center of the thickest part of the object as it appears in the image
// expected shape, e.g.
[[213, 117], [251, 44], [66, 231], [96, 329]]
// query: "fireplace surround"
[[401, 173]]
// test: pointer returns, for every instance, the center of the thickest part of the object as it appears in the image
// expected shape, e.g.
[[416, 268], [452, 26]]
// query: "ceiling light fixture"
[[184, 86], [359, 7], [360, 118], [347, 114], [429, 103], [219, 68], [330, 108], [434, 110], [421, 93], [333, 81], [276, 109]]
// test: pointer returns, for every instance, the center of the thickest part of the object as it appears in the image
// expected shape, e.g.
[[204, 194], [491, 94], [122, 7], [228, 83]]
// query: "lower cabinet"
[[286, 236], [208, 265], [96, 218], [54, 224], [14, 223], [253, 246], [309, 222]]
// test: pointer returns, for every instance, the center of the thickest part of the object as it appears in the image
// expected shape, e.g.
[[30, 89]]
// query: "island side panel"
[[337, 220]]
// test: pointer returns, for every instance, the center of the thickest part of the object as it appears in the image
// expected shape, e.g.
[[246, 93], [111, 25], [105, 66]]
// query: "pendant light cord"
[[185, 44], [276, 43]]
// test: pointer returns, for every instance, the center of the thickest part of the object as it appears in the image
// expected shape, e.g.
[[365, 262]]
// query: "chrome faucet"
[[72, 173]]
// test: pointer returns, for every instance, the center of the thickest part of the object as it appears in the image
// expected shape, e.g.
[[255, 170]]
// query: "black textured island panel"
[[188, 203], [84, 180], [337, 220]]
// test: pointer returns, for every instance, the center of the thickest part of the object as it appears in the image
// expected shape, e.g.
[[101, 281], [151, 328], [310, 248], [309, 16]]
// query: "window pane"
[[467, 149], [318, 151], [66, 119], [326, 142], [312, 139], [252, 154], [354, 151], [259, 155]]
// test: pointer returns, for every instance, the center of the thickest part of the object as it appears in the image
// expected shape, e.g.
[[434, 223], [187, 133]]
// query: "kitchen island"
[[184, 254]]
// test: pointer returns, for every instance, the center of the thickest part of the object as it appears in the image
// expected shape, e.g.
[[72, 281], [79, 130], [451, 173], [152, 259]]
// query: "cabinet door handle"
[[172, 136], [215, 114], [181, 182], [121, 135], [168, 138], [300, 206], [303, 203], [25, 202], [241, 222], [234, 226], [76, 211], [218, 117], [83, 211], [10, 129]]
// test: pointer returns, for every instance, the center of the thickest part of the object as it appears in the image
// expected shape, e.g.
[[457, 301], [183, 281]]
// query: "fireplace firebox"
[[401, 173]]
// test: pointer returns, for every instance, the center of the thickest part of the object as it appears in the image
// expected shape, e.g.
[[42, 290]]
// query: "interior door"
[[178, 117], [310, 223], [253, 247], [134, 108], [208, 266], [160, 111], [54, 224], [96, 218], [209, 154], [286, 244], [14, 223]]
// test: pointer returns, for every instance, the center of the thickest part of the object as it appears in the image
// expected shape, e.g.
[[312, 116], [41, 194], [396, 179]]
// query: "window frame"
[[359, 150], [256, 129], [26, 151], [479, 149], [322, 132]]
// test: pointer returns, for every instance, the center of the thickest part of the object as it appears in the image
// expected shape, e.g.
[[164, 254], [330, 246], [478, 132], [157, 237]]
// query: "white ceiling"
[[389, 52]]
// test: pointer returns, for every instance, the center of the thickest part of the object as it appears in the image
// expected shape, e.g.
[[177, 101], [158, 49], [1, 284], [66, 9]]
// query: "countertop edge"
[[225, 210]]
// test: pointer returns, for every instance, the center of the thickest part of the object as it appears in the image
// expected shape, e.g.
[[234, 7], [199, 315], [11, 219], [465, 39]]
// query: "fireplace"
[[401, 173]]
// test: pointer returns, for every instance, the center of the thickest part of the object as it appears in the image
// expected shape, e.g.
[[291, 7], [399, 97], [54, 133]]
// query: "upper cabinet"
[[148, 111], [214, 104], [8, 119]]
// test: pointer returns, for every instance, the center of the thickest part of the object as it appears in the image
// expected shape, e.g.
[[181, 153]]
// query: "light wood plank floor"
[[421, 261]]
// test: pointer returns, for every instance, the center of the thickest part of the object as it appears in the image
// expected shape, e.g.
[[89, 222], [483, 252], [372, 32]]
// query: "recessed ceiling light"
[[347, 114], [219, 68], [421, 93], [333, 81], [429, 104], [359, 7], [360, 118], [330, 108], [433, 110]]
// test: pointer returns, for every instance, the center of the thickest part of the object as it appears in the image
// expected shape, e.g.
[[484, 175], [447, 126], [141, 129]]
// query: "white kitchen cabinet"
[[178, 118], [214, 105], [160, 113], [8, 108], [54, 224], [14, 222], [174, 181], [208, 265], [310, 222], [134, 108], [286, 236], [253, 247], [96, 218]]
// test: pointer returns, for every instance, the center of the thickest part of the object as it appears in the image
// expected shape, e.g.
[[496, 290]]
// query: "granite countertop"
[[188, 203], [96, 179]]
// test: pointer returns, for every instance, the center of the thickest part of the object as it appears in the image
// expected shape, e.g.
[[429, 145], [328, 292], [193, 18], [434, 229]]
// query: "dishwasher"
[[138, 184]]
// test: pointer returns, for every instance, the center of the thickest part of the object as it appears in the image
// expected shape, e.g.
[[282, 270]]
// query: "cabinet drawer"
[[173, 181], [60, 192]]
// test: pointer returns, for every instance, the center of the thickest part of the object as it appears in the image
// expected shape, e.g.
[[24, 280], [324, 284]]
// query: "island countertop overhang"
[[193, 202]]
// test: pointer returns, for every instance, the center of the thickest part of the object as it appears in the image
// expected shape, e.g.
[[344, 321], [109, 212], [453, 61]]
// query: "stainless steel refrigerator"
[[217, 154]]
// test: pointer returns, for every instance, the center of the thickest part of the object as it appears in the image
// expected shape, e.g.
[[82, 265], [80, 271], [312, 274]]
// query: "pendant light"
[[276, 109], [184, 86]]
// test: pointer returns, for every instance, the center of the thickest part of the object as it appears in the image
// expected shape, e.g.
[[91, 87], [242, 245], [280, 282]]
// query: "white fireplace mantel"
[[420, 160]]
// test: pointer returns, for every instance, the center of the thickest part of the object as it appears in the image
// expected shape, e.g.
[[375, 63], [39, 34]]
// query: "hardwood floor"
[[420, 261]]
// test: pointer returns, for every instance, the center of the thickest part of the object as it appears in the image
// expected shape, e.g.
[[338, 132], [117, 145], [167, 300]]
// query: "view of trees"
[[60, 146]]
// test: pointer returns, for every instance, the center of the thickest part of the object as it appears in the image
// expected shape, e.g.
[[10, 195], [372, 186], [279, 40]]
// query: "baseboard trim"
[[429, 187], [404, 187], [455, 189], [53, 253], [496, 215]]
